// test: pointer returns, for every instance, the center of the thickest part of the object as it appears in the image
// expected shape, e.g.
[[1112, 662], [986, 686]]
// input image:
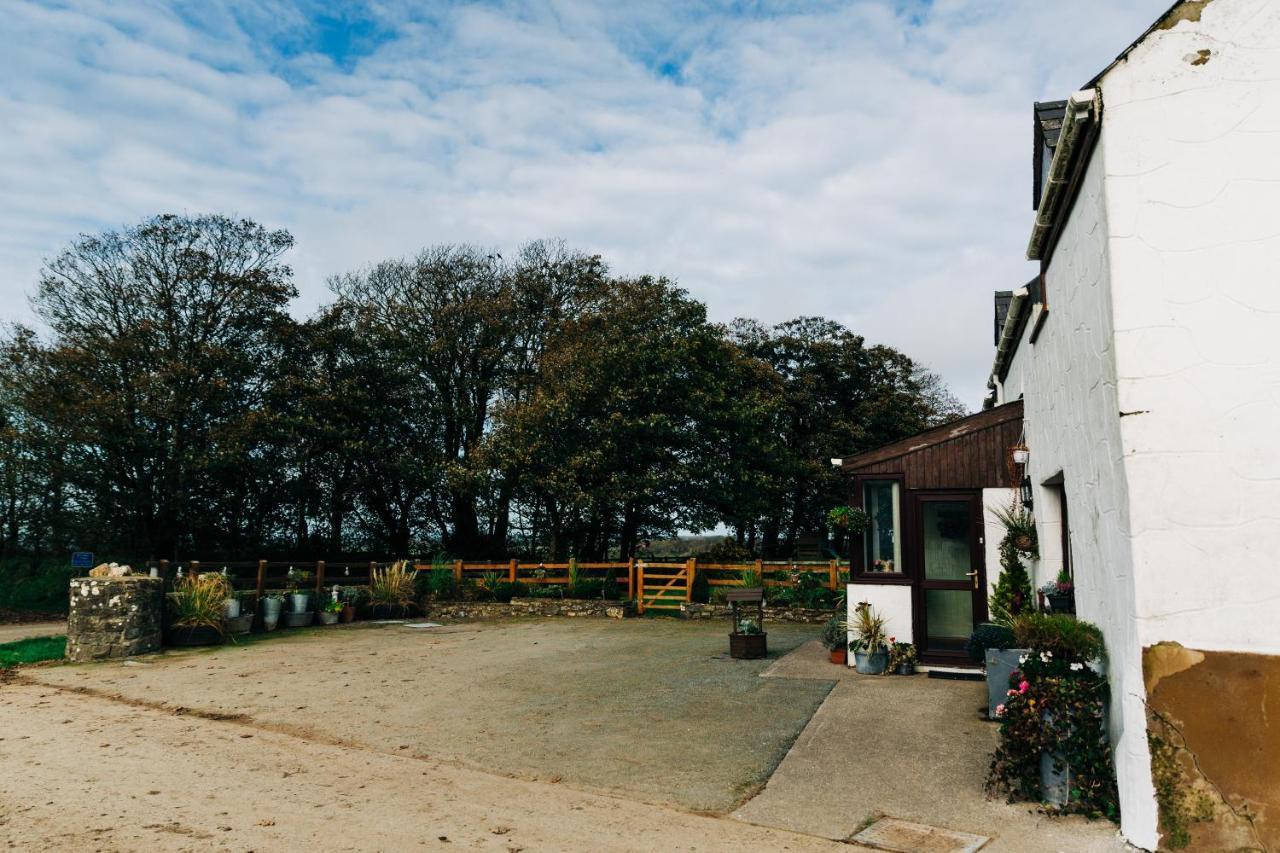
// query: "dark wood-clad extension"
[[970, 453]]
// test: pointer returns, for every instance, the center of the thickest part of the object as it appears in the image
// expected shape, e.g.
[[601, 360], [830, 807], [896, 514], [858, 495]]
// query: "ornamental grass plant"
[[198, 601]]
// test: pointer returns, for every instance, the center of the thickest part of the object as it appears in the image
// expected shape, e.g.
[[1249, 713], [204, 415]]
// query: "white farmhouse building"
[[1145, 358]]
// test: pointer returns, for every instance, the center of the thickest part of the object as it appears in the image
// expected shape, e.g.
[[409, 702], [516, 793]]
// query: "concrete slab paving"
[[912, 748]]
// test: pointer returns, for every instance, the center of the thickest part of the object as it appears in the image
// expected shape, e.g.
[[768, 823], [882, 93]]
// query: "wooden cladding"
[[971, 453]]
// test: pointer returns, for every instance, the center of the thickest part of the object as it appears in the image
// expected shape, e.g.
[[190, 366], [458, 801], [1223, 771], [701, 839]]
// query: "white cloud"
[[853, 160]]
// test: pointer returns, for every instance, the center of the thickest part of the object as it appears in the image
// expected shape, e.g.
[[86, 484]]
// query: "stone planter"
[[270, 612], [871, 664], [240, 624], [748, 646], [298, 620], [197, 635], [1000, 665], [327, 618]]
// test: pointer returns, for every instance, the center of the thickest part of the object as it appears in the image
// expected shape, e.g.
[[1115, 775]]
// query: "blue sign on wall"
[[82, 559]]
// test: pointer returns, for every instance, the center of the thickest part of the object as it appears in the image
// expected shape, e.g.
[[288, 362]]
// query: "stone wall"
[[114, 617], [806, 615], [531, 607]]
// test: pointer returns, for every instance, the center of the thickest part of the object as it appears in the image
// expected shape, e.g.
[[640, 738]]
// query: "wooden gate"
[[664, 586]]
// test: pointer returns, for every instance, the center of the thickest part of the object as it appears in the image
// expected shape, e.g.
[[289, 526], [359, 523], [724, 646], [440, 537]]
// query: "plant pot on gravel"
[[194, 635], [271, 612], [299, 602], [871, 663], [240, 624], [328, 617], [840, 656], [348, 614]]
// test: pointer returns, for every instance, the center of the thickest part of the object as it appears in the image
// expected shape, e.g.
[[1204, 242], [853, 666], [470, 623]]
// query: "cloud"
[[865, 161]]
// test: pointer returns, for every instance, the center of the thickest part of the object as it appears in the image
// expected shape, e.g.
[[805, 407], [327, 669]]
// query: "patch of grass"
[[32, 650]]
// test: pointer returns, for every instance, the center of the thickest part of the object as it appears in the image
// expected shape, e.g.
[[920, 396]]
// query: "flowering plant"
[[900, 653]]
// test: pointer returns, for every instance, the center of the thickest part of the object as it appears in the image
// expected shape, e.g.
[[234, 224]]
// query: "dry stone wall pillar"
[[114, 617]]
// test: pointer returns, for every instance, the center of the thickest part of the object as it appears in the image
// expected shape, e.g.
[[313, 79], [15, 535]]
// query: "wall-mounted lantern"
[[1024, 493]]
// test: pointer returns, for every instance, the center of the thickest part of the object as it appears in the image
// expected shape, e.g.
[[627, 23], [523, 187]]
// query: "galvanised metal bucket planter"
[[271, 612], [1000, 666], [873, 663]]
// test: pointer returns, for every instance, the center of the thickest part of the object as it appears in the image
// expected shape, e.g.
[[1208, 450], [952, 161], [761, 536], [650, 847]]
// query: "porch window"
[[883, 539]]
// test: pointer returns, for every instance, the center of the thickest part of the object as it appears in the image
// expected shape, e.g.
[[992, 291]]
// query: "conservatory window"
[[883, 539]]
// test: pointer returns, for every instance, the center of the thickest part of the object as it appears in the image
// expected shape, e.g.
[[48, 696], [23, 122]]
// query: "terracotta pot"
[[348, 613], [840, 656]]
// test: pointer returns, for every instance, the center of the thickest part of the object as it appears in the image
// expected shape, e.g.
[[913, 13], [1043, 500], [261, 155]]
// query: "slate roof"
[[1048, 127]]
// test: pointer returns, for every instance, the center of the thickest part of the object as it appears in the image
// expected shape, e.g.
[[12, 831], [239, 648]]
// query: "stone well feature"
[[114, 617]]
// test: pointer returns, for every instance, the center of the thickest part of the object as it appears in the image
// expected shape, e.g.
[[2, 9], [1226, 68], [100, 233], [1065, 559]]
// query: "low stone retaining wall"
[[806, 615], [531, 607], [114, 617]]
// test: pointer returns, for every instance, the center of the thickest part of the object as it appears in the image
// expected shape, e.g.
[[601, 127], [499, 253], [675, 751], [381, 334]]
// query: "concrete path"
[[24, 630], [912, 748]]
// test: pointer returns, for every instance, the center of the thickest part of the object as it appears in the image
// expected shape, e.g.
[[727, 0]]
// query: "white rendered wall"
[[892, 601], [1193, 197], [1067, 380]]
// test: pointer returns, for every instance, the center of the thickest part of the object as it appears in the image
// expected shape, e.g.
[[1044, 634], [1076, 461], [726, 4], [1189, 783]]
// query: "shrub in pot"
[[1053, 734], [836, 639], [197, 610], [329, 614], [869, 644]]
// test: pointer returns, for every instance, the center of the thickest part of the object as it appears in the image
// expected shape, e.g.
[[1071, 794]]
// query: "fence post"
[[631, 577], [690, 569], [372, 565], [262, 579], [832, 575], [514, 571], [457, 571], [195, 569], [640, 587], [319, 579], [760, 572]]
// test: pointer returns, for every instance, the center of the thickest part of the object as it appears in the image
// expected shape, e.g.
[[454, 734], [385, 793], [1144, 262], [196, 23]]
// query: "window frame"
[[857, 544]]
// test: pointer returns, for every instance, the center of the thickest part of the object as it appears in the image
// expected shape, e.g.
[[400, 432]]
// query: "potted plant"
[[1060, 593], [851, 519], [231, 607], [299, 595], [902, 657], [869, 644], [993, 645], [352, 599], [243, 622], [272, 602], [836, 639], [196, 610], [391, 590], [1020, 527], [331, 611], [747, 642]]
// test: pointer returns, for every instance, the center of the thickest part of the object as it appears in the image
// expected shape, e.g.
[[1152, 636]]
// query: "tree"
[[838, 397], [152, 374]]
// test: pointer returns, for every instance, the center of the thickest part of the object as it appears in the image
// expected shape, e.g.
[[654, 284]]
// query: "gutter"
[[1082, 108], [1009, 335]]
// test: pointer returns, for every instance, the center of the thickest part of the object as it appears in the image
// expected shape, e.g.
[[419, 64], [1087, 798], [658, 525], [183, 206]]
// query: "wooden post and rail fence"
[[653, 584]]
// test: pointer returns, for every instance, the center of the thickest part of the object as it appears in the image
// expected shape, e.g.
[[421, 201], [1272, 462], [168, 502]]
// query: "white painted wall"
[[1068, 384], [1165, 306], [892, 601]]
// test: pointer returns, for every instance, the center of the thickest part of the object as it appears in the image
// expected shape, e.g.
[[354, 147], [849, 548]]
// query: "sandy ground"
[[648, 709], [913, 748], [81, 773], [9, 633], [538, 735]]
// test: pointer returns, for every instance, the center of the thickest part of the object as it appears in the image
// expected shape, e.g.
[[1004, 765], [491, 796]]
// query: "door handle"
[[973, 574]]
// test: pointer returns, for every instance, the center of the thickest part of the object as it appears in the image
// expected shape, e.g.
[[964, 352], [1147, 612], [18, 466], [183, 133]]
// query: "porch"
[[928, 559]]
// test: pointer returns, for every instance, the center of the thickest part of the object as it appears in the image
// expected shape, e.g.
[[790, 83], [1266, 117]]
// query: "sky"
[[865, 161]]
